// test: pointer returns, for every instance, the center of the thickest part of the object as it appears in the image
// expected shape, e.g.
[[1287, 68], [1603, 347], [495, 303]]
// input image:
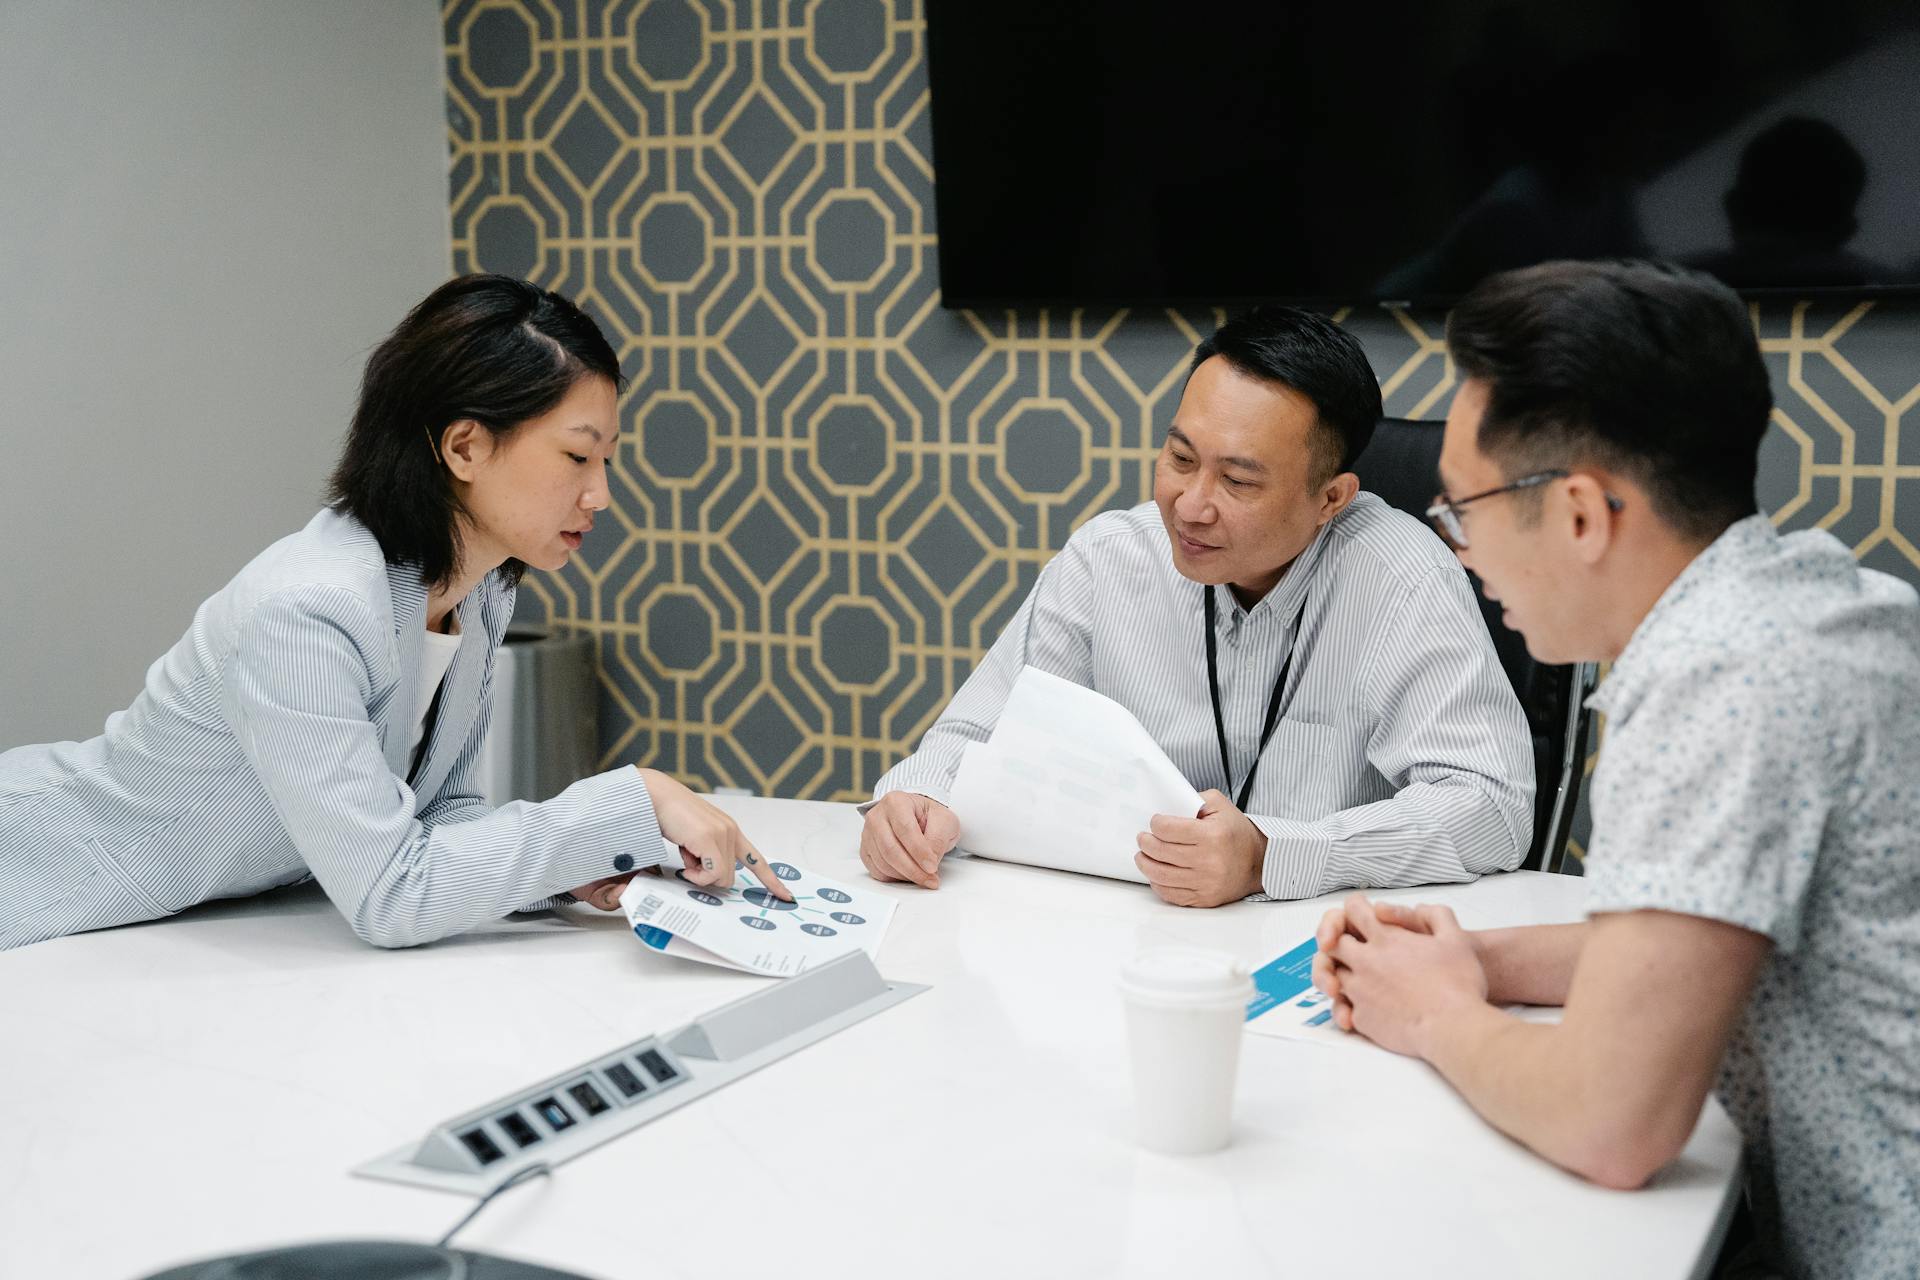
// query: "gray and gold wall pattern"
[[831, 494]]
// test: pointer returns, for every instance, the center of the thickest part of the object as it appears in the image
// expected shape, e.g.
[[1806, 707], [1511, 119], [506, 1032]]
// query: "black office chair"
[[1401, 465]]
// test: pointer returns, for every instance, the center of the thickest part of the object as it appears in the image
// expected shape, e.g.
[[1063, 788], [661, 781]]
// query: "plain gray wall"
[[209, 211]]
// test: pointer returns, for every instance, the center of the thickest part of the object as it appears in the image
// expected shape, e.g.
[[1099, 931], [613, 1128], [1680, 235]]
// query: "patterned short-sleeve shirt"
[[1762, 767]]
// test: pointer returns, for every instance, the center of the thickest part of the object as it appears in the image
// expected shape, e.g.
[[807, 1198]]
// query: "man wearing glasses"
[[1311, 659], [1448, 514], [1754, 869]]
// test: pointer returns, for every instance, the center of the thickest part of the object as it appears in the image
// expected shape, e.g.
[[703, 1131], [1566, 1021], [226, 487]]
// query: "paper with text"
[[1068, 779]]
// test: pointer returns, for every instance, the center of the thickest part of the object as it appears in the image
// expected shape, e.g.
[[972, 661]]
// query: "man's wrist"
[[1489, 948], [1255, 864], [1482, 946], [1452, 1028], [1293, 857], [939, 795], [1255, 880]]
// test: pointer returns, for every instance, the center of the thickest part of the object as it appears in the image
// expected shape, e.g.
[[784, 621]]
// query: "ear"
[[1337, 494], [1591, 515], [464, 447]]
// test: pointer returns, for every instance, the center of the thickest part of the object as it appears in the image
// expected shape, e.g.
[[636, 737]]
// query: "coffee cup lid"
[[1186, 973]]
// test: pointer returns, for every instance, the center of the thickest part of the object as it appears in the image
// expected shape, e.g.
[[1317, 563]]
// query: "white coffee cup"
[[1185, 1010]]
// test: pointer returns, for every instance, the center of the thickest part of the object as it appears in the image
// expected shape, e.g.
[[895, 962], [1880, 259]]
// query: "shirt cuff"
[[615, 832], [1296, 861], [939, 795]]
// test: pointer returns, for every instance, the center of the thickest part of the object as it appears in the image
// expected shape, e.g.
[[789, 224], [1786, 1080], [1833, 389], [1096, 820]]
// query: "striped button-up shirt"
[[1400, 756]]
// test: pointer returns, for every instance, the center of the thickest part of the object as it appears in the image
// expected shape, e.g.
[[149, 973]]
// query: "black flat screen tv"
[[1098, 152]]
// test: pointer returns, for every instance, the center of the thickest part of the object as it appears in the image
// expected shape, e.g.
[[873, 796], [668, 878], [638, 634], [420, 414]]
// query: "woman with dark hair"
[[324, 713]]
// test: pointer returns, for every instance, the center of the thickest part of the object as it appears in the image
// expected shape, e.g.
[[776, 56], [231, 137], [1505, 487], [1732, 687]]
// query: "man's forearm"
[[1614, 1091], [1530, 965], [1524, 1080], [1434, 834]]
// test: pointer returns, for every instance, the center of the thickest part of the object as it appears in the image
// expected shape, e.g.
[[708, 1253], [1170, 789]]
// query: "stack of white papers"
[[1068, 780]]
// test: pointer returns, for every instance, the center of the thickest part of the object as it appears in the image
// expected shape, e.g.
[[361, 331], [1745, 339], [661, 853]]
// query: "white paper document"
[[1068, 779], [745, 927], [1286, 1003]]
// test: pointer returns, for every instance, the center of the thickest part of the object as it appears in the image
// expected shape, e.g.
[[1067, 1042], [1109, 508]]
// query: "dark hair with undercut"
[[1315, 357], [491, 348], [1645, 368]]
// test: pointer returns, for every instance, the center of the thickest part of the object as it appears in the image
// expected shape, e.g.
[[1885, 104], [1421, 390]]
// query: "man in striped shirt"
[[1310, 658]]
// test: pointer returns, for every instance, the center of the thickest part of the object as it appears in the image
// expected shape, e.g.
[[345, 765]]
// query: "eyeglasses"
[[1445, 511]]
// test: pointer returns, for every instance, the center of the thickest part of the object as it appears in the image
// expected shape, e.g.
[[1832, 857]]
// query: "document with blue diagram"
[[745, 927]]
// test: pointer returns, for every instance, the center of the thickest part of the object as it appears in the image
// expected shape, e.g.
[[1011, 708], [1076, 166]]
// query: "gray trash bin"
[[544, 736]]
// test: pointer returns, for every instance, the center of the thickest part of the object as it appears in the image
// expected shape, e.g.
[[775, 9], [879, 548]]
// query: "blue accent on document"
[[1279, 981]]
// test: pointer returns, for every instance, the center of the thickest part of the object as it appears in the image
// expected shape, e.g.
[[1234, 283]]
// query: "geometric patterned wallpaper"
[[831, 494]]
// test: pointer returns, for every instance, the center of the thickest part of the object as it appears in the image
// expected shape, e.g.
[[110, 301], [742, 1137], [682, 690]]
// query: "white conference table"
[[202, 1085]]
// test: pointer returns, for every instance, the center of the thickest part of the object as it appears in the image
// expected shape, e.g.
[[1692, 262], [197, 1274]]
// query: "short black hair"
[[1642, 367], [487, 347], [1317, 358]]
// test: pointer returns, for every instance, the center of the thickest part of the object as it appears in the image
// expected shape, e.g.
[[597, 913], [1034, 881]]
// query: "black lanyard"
[[1273, 703]]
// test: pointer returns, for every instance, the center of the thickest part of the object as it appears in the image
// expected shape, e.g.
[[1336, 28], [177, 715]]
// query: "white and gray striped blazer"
[[1401, 755], [272, 742]]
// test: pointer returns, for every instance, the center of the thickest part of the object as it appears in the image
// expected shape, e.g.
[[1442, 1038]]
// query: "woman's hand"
[[605, 892], [711, 844]]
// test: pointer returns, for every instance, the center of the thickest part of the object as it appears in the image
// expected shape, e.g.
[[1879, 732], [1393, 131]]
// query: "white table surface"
[[202, 1085]]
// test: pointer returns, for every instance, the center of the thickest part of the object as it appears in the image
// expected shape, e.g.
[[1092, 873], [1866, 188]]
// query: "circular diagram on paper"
[[812, 909]]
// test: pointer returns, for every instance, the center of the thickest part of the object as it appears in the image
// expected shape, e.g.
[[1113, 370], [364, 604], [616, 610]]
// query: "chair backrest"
[[1402, 466]]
